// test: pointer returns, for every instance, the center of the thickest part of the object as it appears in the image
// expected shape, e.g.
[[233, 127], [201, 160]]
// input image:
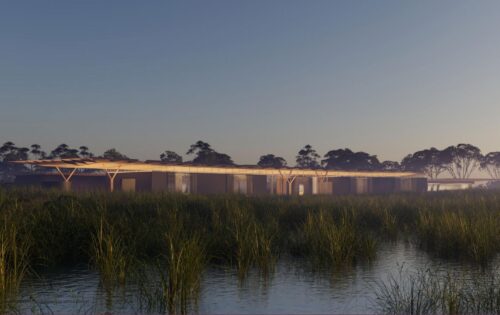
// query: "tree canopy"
[[462, 159], [113, 154], [345, 159], [390, 166], [10, 152], [431, 162], [491, 163], [307, 157], [205, 155], [63, 151], [170, 157], [271, 161]]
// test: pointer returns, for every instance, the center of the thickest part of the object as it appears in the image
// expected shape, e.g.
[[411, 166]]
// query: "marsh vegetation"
[[170, 239]]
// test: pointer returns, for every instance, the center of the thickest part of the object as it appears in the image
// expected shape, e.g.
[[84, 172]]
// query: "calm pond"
[[292, 288]]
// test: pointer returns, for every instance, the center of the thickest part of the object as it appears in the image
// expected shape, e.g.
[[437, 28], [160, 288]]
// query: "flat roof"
[[158, 166]]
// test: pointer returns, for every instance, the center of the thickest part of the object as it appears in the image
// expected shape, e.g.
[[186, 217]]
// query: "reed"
[[427, 292], [249, 241], [337, 243], [113, 231], [457, 234], [174, 284], [110, 255], [13, 265]]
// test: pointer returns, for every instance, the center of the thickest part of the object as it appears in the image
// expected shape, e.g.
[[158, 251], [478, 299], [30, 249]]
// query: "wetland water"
[[292, 288]]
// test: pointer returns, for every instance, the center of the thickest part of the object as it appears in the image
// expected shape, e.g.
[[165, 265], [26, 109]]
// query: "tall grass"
[[112, 231], [13, 265], [474, 236], [428, 292], [244, 240], [179, 270], [337, 243], [110, 255]]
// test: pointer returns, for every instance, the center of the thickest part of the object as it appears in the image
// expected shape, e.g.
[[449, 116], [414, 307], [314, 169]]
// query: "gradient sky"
[[250, 77]]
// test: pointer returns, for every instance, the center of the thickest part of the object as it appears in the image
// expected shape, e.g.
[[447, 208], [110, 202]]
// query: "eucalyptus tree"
[[271, 161], [37, 152], [307, 157], [63, 151], [114, 155], [85, 153], [205, 155], [170, 157], [463, 160], [10, 152], [390, 166], [345, 159], [491, 163], [431, 162]]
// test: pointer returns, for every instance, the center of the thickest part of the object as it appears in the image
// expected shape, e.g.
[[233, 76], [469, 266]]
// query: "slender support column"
[[66, 178], [290, 182], [323, 179], [271, 186], [111, 175]]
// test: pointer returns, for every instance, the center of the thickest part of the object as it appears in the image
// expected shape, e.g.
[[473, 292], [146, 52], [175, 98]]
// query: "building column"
[[66, 178], [111, 175]]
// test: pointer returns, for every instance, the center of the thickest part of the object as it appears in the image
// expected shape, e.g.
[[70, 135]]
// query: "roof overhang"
[[150, 166]]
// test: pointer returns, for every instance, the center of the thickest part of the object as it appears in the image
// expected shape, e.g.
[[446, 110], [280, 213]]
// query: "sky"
[[250, 77]]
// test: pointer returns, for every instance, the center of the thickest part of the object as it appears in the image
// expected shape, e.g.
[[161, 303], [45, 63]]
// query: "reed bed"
[[426, 291], [118, 233]]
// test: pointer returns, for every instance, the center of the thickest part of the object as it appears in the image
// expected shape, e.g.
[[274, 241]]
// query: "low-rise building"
[[129, 175]]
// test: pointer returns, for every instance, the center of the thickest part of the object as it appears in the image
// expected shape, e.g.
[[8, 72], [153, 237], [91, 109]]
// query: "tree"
[[171, 157], [463, 159], [345, 159], [390, 166], [114, 155], [10, 152], [431, 162], [207, 156], [63, 151], [307, 157], [85, 153], [36, 151], [271, 161], [491, 163]]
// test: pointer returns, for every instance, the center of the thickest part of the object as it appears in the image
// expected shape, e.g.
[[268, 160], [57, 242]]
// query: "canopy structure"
[[68, 167], [155, 166]]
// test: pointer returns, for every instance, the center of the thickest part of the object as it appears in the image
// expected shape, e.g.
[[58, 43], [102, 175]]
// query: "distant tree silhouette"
[[390, 166], [464, 159], [491, 163], [431, 162], [345, 159], [271, 161], [63, 151], [207, 156], [10, 152], [36, 151], [85, 153], [171, 157], [114, 155], [307, 157]]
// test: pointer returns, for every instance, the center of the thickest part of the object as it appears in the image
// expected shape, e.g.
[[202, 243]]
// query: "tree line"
[[459, 161]]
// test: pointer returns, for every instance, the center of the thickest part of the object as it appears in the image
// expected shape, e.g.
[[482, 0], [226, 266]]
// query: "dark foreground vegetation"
[[125, 236]]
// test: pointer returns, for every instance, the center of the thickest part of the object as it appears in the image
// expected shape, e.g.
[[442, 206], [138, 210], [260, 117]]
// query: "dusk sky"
[[250, 77]]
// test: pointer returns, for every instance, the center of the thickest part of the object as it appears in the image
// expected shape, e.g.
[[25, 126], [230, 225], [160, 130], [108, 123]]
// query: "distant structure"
[[442, 184], [93, 174]]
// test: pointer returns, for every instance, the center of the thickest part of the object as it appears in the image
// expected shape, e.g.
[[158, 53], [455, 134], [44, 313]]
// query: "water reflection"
[[293, 287]]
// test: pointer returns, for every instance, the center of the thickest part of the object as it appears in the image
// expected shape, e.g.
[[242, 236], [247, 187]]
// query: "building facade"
[[195, 183]]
